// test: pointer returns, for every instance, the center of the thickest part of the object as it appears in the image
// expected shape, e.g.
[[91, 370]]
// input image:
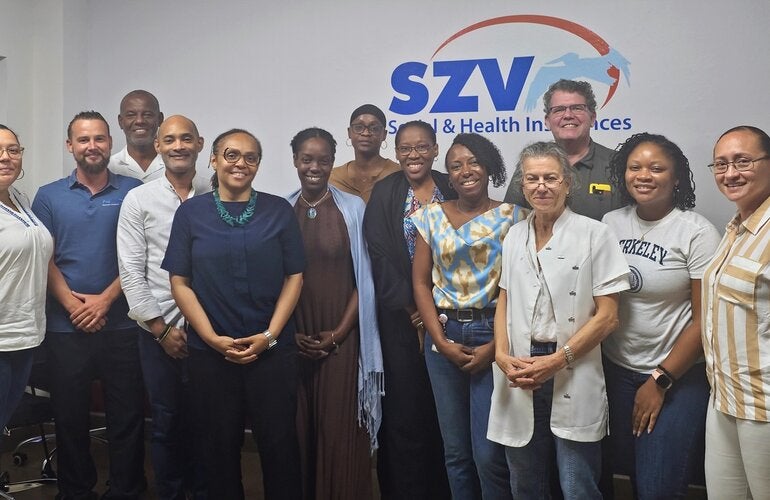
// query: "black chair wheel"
[[19, 459]]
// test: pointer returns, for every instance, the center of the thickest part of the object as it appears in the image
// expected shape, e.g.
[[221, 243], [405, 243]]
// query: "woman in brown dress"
[[338, 411]]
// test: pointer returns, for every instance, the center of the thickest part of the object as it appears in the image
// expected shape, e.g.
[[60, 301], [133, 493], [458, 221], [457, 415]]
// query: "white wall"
[[275, 68]]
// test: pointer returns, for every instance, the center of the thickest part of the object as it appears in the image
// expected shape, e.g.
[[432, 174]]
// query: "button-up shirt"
[[124, 164], [144, 227], [736, 318]]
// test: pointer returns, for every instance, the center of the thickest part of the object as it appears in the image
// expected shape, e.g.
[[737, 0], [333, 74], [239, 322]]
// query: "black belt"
[[468, 315]]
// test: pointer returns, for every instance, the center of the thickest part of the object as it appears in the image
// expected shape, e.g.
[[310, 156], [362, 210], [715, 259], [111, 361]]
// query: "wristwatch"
[[271, 342], [662, 379]]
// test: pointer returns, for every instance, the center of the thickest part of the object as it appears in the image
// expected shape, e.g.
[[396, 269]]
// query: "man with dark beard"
[[89, 335]]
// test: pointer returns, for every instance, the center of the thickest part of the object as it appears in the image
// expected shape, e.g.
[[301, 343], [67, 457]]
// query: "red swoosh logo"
[[597, 42]]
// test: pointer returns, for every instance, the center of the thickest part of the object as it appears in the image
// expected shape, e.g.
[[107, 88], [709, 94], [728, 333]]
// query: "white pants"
[[737, 457]]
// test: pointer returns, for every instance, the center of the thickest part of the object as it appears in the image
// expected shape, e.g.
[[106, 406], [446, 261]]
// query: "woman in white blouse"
[[561, 276], [25, 249]]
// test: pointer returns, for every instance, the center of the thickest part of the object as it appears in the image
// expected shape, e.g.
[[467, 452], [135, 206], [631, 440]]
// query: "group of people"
[[484, 348]]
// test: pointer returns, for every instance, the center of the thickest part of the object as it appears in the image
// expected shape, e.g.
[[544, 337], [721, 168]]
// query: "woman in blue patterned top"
[[455, 275]]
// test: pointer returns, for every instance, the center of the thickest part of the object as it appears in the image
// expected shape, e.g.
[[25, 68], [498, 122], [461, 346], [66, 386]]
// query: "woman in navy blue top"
[[235, 257]]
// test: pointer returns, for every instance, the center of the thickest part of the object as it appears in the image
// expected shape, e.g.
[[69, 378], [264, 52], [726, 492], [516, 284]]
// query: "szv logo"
[[409, 79]]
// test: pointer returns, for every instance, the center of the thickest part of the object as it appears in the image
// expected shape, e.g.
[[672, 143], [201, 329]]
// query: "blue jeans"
[[578, 463], [15, 367], [662, 463], [175, 462], [475, 466]]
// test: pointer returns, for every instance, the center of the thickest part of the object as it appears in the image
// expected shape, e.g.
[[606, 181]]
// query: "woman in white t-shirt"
[[656, 378], [25, 249]]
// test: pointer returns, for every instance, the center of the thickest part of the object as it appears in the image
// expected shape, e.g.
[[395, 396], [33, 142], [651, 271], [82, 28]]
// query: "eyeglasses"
[[576, 109], [741, 164], [233, 155], [420, 148], [14, 152], [374, 129], [534, 184]]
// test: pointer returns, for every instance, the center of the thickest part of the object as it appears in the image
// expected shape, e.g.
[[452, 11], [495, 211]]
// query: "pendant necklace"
[[639, 224], [312, 213], [476, 212], [242, 219]]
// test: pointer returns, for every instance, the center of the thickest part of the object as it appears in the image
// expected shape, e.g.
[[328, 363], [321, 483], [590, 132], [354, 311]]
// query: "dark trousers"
[[410, 460], [265, 391], [74, 361], [175, 461]]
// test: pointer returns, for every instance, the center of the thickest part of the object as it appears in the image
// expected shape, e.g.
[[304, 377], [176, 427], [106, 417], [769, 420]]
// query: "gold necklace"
[[639, 224], [312, 213], [489, 204]]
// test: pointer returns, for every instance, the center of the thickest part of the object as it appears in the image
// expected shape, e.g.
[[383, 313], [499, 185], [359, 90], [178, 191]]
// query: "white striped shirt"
[[736, 318]]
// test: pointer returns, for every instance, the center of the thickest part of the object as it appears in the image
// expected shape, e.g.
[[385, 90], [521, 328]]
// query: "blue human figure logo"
[[571, 66]]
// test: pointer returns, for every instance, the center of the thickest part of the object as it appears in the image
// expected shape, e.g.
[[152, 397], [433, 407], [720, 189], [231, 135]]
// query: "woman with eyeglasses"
[[561, 276], [410, 460], [736, 322], [456, 269], [235, 257], [26, 247], [341, 375], [656, 379], [366, 134]]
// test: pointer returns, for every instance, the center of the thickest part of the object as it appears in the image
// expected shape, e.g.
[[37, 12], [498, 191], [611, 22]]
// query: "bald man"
[[139, 119], [143, 231]]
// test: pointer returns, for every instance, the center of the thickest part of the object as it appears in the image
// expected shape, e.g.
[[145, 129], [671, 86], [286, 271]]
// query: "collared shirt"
[[580, 261], [589, 195], [83, 226], [25, 249], [736, 318], [144, 227], [124, 164]]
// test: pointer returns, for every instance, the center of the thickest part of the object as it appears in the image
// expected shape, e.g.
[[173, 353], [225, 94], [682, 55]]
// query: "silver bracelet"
[[271, 342], [568, 355]]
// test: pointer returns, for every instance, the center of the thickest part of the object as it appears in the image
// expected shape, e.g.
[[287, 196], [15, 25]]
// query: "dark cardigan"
[[384, 233]]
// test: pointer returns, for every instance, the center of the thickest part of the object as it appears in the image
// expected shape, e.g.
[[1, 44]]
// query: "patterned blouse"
[[411, 205], [466, 260]]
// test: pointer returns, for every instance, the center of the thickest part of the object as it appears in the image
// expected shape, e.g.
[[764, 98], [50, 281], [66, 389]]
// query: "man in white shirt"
[[139, 119], [143, 231]]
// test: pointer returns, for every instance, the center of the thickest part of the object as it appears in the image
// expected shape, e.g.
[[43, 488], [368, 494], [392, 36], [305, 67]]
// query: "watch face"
[[662, 379]]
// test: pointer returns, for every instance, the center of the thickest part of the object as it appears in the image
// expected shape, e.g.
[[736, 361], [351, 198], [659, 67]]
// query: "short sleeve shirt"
[[84, 228]]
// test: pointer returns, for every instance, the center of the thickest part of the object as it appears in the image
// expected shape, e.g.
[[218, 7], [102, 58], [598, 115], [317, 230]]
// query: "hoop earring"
[[21, 176], [384, 145], [349, 143]]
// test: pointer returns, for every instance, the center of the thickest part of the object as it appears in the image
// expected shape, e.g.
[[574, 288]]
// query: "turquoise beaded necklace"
[[242, 219]]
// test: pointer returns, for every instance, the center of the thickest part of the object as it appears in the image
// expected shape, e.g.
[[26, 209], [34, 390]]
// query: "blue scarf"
[[370, 367]]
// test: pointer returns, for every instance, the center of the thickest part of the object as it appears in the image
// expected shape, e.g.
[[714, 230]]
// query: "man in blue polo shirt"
[[89, 335]]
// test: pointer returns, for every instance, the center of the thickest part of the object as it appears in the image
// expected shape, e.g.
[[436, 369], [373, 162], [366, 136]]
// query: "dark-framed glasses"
[[14, 152], [740, 164], [420, 148], [576, 109], [374, 129], [233, 155], [550, 183]]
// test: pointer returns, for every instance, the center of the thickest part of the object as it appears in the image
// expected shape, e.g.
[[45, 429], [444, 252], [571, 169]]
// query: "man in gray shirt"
[[570, 112]]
